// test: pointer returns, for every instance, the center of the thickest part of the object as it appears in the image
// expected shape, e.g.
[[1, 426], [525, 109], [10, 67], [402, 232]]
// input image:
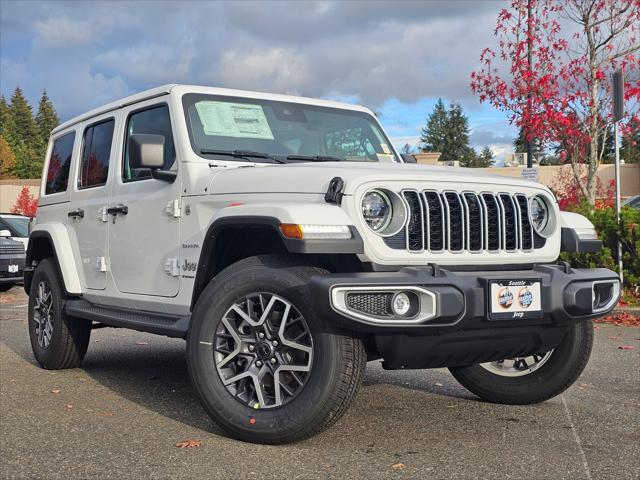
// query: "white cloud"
[[63, 32]]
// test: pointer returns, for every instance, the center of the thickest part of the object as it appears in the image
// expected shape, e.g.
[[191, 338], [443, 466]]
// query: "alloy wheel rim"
[[263, 350], [518, 366], [43, 315]]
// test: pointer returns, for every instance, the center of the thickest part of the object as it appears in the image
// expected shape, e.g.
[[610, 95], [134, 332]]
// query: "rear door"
[[144, 243], [86, 214]]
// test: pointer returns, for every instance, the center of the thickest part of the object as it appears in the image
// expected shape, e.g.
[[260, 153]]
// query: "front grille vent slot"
[[458, 222]]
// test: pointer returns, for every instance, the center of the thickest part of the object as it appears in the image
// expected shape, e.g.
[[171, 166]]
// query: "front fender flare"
[[60, 242]]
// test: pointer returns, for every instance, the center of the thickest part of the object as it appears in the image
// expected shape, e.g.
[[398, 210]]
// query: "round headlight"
[[377, 210], [539, 213]]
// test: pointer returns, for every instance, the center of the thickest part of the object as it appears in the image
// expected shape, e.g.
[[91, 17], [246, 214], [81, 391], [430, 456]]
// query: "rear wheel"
[[265, 365], [58, 341], [532, 379]]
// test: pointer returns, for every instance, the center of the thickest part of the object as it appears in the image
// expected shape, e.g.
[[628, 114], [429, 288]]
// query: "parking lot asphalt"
[[122, 413]]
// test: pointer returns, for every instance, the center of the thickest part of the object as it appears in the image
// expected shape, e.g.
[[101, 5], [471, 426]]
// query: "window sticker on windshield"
[[233, 120]]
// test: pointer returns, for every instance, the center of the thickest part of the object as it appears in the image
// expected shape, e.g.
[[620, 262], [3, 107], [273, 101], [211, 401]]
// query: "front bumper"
[[458, 329], [11, 277]]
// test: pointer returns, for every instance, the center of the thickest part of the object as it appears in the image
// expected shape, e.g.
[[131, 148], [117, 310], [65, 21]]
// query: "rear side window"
[[59, 163], [156, 121], [96, 151]]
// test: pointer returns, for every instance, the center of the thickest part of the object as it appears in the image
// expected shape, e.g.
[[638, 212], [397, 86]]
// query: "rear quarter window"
[[96, 152], [59, 164]]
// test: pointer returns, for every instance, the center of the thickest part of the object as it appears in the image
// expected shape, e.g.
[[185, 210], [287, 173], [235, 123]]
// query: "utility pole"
[[618, 113], [529, 40]]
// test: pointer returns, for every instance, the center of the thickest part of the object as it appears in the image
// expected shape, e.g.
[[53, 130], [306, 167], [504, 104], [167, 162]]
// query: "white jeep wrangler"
[[286, 240]]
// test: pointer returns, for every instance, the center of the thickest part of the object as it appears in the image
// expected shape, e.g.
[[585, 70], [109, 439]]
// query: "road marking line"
[[577, 438]]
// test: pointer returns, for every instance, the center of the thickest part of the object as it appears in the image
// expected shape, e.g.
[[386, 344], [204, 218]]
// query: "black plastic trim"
[[354, 245], [468, 309], [169, 325], [28, 270], [570, 242]]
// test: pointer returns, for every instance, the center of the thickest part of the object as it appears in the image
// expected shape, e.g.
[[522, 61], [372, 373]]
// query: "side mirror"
[[408, 158], [5, 233], [147, 151]]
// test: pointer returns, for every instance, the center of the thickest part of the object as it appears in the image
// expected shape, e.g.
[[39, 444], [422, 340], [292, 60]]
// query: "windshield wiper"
[[243, 154], [315, 158]]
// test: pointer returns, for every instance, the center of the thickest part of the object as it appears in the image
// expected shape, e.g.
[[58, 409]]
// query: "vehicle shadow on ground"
[[155, 376]]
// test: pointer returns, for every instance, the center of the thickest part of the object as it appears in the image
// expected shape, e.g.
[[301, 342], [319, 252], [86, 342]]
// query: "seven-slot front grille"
[[456, 222]]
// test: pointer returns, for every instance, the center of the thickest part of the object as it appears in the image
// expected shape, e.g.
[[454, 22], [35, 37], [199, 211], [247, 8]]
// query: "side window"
[[96, 151], [59, 163], [156, 121]]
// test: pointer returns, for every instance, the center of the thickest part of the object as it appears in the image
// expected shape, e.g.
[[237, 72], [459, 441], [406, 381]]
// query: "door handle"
[[118, 209], [77, 213]]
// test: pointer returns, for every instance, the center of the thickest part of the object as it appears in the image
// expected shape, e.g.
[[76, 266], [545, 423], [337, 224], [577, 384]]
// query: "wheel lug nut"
[[251, 348], [261, 335], [275, 343], [273, 360], [258, 363]]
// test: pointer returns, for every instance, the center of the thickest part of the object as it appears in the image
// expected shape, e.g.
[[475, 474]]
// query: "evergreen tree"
[[447, 132], [457, 144], [46, 118], [23, 138], [23, 127], [5, 117], [485, 159], [434, 135], [469, 159]]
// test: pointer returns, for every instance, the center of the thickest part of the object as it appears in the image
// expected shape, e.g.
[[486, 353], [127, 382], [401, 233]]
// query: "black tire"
[[559, 372], [69, 336], [337, 365], [5, 287]]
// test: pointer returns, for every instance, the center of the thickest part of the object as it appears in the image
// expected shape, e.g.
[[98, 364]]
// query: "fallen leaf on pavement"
[[398, 466], [189, 444], [438, 384], [55, 391], [583, 385], [626, 347], [69, 407]]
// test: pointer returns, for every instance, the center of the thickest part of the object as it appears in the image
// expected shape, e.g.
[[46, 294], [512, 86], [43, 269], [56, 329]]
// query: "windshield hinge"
[[173, 208], [334, 192]]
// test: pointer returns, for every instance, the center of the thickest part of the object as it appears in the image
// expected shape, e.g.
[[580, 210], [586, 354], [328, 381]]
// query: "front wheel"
[[58, 340], [266, 367], [532, 379]]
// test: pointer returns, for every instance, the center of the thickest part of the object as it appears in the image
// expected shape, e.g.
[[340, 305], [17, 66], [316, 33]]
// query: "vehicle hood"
[[315, 177]]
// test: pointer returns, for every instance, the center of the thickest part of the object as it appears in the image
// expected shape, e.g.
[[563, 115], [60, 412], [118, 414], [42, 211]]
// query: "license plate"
[[13, 268], [515, 299]]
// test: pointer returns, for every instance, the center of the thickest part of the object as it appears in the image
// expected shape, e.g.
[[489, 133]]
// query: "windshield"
[[242, 127], [18, 226]]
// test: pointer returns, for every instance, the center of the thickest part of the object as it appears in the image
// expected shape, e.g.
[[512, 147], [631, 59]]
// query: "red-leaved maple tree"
[[564, 94], [26, 204]]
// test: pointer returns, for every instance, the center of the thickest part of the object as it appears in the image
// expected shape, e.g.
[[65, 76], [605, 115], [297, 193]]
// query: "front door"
[[89, 197], [144, 230]]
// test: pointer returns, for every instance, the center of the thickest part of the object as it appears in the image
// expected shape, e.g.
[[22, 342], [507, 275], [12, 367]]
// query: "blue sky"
[[395, 57]]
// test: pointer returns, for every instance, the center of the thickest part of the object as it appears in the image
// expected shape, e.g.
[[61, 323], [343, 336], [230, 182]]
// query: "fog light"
[[401, 304]]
